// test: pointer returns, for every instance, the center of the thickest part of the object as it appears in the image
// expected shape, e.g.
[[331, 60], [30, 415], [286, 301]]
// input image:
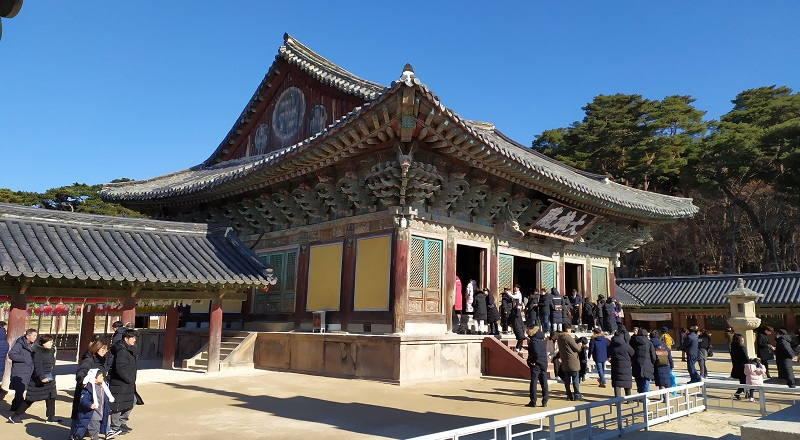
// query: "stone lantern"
[[743, 315]]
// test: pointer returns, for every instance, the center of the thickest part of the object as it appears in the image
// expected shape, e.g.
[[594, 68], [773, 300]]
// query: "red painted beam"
[[214, 336], [87, 329], [170, 339]]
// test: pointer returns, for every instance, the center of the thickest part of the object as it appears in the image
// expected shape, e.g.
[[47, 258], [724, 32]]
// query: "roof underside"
[[37, 243], [779, 288], [550, 176]]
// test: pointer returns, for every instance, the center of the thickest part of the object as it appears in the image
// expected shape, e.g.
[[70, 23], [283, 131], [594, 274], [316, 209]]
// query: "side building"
[[371, 202]]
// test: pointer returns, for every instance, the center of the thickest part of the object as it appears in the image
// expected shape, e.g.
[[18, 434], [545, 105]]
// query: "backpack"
[[662, 357]]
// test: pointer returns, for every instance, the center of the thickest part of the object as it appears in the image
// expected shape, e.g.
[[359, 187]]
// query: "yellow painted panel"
[[200, 306], [372, 273], [324, 277], [231, 306]]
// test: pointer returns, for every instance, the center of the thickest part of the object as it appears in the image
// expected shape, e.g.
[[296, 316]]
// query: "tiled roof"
[[41, 243], [778, 288], [554, 177]]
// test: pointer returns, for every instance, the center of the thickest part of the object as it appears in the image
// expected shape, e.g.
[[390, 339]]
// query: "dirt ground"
[[277, 405]]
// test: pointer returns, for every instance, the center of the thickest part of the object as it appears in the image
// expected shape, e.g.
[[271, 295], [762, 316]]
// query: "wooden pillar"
[[789, 320], [612, 283], [214, 335], [562, 279], [348, 269], [15, 327], [170, 339], [128, 311], [494, 281], [402, 241], [588, 278], [87, 328], [449, 279], [301, 282]]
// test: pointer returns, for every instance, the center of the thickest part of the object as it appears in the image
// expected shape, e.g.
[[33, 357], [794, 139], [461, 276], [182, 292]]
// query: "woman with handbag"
[[42, 385]]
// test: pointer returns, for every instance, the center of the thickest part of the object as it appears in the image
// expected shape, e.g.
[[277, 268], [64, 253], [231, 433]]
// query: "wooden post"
[[789, 320], [15, 325], [612, 283], [402, 239], [214, 335], [449, 279], [588, 278], [348, 269], [87, 328], [128, 311], [170, 339], [301, 283]]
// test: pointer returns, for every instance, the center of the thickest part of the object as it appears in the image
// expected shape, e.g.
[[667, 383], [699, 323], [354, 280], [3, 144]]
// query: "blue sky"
[[97, 90]]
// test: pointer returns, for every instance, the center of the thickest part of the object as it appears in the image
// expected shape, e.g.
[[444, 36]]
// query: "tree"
[[78, 197]]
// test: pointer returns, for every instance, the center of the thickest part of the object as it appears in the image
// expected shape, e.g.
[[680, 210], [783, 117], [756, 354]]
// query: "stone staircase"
[[231, 343]]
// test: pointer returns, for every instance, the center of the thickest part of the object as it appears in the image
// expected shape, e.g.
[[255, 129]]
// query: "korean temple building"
[[370, 200]]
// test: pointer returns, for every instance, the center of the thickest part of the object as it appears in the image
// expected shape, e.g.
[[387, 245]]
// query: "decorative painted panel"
[[261, 139], [324, 277], [373, 266], [548, 274], [287, 117], [318, 119], [599, 281], [425, 276], [505, 271]]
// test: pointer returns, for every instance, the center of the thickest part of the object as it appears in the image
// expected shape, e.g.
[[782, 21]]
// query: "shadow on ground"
[[354, 417]]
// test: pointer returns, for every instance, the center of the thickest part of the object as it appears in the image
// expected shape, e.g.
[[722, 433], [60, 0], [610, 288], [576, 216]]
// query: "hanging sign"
[[651, 316], [562, 222]]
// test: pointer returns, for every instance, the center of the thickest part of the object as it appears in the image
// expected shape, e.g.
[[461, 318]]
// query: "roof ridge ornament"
[[407, 77]]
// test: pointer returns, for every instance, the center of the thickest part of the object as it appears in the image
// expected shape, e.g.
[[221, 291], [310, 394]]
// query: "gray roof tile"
[[40, 243], [778, 288]]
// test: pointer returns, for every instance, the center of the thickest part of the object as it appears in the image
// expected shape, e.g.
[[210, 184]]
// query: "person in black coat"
[[609, 321], [557, 310], [663, 372], [506, 306], [532, 310], [519, 326], [783, 355], [122, 381], [42, 383], [545, 310], [94, 358], [738, 359], [691, 346], [492, 314], [537, 362], [480, 310], [621, 354], [21, 356], [644, 360], [3, 352], [764, 350], [588, 314]]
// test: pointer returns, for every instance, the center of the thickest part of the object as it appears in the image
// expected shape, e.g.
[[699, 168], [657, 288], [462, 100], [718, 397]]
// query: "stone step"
[[235, 339], [203, 362], [196, 368]]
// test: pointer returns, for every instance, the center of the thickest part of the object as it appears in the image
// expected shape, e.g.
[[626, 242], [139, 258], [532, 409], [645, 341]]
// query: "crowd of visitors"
[[105, 381]]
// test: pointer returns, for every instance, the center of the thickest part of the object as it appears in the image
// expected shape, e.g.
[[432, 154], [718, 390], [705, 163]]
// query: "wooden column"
[[87, 328], [170, 339], [301, 282], [588, 279], [562, 278], [612, 283], [348, 269], [214, 335], [789, 320], [402, 239], [15, 327], [449, 279], [494, 280], [128, 311]]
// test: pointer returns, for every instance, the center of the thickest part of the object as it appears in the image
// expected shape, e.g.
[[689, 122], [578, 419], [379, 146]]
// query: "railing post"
[[646, 408], [619, 417], [588, 423], [762, 401]]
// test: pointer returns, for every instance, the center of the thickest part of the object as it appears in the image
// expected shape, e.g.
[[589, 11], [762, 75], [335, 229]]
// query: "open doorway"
[[573, 278], [525, 275], [469, 265]]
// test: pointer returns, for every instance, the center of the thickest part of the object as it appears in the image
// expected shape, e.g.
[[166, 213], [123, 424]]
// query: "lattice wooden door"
[[547, 275], [425, 276], [505, 272]]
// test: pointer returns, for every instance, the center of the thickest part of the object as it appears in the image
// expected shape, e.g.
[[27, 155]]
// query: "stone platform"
[[781, 425], [401, 359]]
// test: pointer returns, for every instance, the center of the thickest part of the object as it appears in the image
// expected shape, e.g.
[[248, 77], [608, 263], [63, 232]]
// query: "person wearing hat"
[[666, 337]]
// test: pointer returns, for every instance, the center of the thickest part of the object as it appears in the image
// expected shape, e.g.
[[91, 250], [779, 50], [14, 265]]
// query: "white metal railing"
[[767, 398], [595, 421]]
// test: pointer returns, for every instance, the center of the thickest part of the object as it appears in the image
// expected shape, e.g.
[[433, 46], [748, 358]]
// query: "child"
[[754, 375], [94, 406], [583, 357]]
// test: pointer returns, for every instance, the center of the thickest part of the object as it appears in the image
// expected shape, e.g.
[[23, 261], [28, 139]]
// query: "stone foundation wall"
[[394, 358]]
